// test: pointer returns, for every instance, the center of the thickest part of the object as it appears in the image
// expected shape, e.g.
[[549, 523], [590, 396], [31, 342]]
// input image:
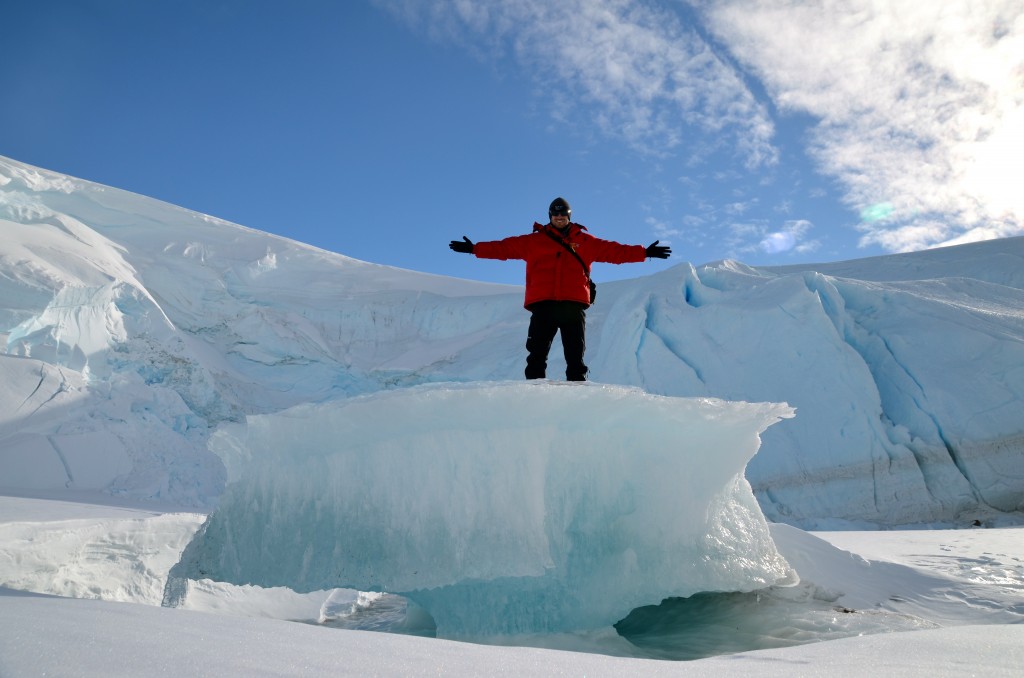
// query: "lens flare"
[[877, 212]]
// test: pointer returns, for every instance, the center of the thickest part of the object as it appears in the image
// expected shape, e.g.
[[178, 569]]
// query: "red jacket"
[[552, 274]]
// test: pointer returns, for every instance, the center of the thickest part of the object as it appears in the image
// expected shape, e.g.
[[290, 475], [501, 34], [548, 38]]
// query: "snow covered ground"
[[956, 596]]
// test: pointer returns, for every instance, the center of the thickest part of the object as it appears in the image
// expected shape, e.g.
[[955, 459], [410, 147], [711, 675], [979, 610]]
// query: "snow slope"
[[132, 329]]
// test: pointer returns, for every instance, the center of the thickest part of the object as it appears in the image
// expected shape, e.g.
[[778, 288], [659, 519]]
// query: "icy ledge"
[[500, 508]]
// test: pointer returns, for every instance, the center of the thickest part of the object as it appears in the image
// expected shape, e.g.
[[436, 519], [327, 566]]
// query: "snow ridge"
[[906, 372]]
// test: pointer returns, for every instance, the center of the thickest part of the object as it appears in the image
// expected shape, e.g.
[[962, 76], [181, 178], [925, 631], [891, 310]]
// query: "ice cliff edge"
[[502, 507], [131, 329]]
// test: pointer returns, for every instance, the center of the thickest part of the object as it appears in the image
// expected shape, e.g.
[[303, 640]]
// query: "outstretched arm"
[[464, 246]]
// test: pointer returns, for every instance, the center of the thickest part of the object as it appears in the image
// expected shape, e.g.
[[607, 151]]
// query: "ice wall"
[[908, 390], [498, 507], [906, 370]]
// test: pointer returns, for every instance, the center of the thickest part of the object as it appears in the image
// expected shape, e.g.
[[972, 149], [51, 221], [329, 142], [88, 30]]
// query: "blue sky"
[[772, 133]]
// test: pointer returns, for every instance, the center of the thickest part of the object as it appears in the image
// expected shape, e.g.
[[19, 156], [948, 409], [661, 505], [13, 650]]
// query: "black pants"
[[550, 317]]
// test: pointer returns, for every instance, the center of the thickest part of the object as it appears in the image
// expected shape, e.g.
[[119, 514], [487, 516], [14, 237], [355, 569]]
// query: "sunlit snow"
[[353, 426], [906, 370]]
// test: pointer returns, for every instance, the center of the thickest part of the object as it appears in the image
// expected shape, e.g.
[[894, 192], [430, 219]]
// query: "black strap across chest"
[[568, 247]]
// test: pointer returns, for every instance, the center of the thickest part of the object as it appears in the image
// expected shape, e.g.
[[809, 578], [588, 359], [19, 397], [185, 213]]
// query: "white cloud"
[[662, 230], [921, 105], [775, 243], [752, 237], [738, 208], [789, 238], [645, 76]]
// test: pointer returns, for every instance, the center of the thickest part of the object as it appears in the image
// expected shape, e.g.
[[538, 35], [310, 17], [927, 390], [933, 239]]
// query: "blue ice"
[[499, 508]]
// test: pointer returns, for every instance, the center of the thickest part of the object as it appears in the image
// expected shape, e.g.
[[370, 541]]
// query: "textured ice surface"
[[907, 371], [498, 507]]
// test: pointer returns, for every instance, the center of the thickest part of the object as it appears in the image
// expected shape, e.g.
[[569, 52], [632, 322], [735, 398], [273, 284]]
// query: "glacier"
[[500, 508], [132, 331]]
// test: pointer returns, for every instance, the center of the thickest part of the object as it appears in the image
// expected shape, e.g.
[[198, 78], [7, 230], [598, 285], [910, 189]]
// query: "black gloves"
[[463, 247], [656, 251]]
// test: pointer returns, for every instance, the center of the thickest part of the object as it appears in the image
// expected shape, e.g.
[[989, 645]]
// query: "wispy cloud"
[[759, 236], [918, 106], [663, 230], [790, 238], [921, 105], [643, 74]]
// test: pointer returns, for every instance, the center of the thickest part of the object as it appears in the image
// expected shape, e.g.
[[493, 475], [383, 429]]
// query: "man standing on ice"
[[558, 256]]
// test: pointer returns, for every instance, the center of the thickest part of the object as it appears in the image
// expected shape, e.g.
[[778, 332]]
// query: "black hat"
[[559, 206]]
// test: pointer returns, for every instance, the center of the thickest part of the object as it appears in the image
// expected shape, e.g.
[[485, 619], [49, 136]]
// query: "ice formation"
[[498, 507], [151, 326]]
